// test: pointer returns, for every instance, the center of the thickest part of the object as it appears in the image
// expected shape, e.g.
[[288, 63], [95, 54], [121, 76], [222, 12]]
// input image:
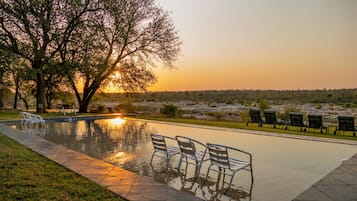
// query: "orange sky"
[[260, 44]]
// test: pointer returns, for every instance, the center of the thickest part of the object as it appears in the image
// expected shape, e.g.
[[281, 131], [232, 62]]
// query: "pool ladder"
[[73, 112]]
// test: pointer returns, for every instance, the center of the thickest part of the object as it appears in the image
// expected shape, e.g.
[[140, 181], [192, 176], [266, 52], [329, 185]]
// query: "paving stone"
[[338, 192], [329, 180], [121, 190], [312, 194], [148, 192], [347, 178]]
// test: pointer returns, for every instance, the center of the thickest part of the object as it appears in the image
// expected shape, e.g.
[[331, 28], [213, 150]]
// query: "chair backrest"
[[270, 117], [255, 116], [158, 141], [315, 120], [186, 145], [296, 119], [218, 155], [346, 123]]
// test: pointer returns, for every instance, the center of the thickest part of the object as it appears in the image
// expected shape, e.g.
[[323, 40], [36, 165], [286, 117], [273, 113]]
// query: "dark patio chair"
[[346, 123], [193, 151], [270, 118], [316, 122], [255, 117], [296, 120], [161, 149], [220, 158]]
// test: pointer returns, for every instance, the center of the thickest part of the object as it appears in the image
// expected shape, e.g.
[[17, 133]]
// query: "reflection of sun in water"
[[120, 157], [117, 122]]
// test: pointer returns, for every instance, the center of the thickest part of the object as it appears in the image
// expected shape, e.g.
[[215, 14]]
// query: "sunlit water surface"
[[282, 167]]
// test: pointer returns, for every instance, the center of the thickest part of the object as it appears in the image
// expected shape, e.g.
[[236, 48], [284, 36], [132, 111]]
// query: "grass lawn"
[[252, 126], [14, 114], [26, 175]]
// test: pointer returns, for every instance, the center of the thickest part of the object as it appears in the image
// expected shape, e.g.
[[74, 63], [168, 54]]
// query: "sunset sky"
[[262, 44]]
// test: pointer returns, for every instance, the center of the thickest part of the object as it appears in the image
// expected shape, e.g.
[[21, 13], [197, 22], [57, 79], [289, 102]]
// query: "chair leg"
[[251, 173], [179, 164], [152, 157], [209, 169], [230, 181]]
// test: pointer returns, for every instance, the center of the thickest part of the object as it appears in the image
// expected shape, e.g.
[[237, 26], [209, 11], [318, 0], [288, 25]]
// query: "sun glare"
[[117, 122]]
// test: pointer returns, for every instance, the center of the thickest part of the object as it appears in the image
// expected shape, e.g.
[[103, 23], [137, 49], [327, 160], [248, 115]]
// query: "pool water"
[[282, 167]]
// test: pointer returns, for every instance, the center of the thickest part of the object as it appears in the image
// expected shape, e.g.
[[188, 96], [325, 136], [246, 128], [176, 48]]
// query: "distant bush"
[[263, 104], [169, 110], [285, 115], [125, 108], [244, 116], [216, 115]]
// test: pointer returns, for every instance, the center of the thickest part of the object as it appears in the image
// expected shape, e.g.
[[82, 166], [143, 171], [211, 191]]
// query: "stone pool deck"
[[120, 181], [339, 185]]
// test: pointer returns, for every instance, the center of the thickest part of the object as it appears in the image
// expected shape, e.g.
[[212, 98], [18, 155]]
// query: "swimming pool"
[[282, 167]]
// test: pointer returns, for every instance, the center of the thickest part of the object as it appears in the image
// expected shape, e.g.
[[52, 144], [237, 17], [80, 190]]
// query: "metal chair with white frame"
[[219, 156], [193, 151], [161, 149]]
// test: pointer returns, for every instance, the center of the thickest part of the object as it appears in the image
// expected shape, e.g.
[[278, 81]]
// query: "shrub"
[[263, 104], [244, 116], [169, 110], [125, 108], [285, 115], [101, 109]]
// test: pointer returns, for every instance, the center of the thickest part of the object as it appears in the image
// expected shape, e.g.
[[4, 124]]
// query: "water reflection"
[[283, 167], [214, 190], [127, 143]]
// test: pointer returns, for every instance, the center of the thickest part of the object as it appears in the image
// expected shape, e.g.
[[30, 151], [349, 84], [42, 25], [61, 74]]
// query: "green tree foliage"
[[263, 104], [120, 46], [88, 40], [37, 31], [169, 110]]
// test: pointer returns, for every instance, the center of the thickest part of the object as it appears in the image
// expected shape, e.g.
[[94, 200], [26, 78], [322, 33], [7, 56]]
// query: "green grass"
[[252, 126], [14, 114], [26, 175]]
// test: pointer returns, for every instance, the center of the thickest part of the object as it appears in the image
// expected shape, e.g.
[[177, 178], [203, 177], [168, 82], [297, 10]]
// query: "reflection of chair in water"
[[161, 149], [193, 151], [219, 156]]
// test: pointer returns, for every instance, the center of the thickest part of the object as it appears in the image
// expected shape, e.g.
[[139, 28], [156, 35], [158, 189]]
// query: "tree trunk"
[[24, 100], [88, 94], [40, 95], [83, 107], [16, 92], [49, 98]]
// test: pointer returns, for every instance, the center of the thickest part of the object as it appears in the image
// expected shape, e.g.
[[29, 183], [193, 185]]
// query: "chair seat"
[[219, 156], [199, 156], [171, 150]]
